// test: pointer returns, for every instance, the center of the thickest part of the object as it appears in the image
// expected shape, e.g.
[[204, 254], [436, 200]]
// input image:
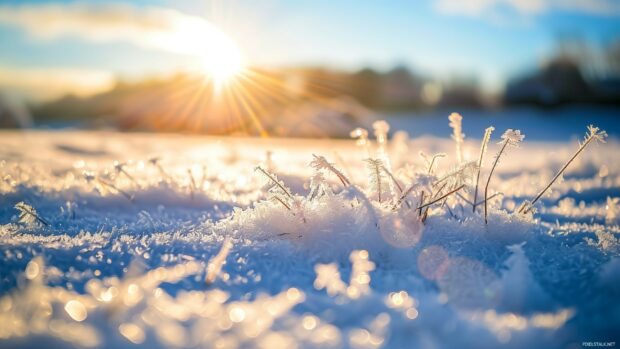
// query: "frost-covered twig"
[[275, 182], [376, 177], [404, 195], [462, 174], [276, 188], [91, 177], [28, 214], [457, 134], [320, 163], [394, 180], [479, 202], [593, 134], [155, 162], [441, 197], [421, 201], [192, 183], [509, 138], [432, 197], [278, 199], [120, 168], [433, 160], [318, 186], [215, 263], [483, 149]]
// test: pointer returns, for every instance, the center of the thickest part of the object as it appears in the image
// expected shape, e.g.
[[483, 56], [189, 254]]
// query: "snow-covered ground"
[[130, 255]]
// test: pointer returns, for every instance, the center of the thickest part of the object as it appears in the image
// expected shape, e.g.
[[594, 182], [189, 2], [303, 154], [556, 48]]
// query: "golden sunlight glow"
[[220, 56], [222, 59]]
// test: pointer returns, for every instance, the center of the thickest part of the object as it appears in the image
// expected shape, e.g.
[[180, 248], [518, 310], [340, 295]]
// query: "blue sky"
[[489, 40]]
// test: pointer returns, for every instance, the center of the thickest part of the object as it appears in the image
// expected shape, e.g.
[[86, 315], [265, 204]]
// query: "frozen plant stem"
[[375, 165], [421, 201], [458, 136], [398, 186], [431, 196], [120, 168], [26, 209], [441, 197], [321, 163], [115, 188], [435, 157], [277, 198], [155, 162], [512, 138], [192, 183], [378, 183], [403, 196], [483, 149], [593, 135], [479, 202], [275, 182], [486, 187]]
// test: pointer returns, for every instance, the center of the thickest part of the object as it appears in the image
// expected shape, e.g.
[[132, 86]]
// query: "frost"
[[28, 215], [320, 163], [457, 134], [323, 265], [376, 178], [605, 241]]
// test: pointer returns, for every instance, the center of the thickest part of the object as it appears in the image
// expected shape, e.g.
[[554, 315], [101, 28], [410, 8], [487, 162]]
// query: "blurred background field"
[[310, 69]]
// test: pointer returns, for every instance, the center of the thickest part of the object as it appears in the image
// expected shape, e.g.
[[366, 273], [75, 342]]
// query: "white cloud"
[[528, 7], [150, 27]]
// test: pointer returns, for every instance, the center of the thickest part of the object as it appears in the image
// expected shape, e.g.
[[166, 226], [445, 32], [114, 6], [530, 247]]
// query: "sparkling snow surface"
[[187, 250]]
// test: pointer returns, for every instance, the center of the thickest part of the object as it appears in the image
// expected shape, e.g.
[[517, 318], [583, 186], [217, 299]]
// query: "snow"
[[174, 241]]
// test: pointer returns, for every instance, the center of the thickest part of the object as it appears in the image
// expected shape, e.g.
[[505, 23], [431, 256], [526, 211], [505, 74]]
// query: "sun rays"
[[238, 102], [223, 93]]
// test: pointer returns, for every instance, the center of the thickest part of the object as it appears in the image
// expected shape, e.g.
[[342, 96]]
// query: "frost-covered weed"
[[509, 138], [594, 134], [432, 162], [378, 183], [457, 134], [156, 161], [192, 183], [104, 186], [280, 193], [120, 169], [28, 215], [483, 150], [320, 163]]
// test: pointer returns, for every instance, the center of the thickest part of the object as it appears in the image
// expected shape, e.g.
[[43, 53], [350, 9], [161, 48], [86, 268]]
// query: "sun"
[[222, 60], [218, 56]]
